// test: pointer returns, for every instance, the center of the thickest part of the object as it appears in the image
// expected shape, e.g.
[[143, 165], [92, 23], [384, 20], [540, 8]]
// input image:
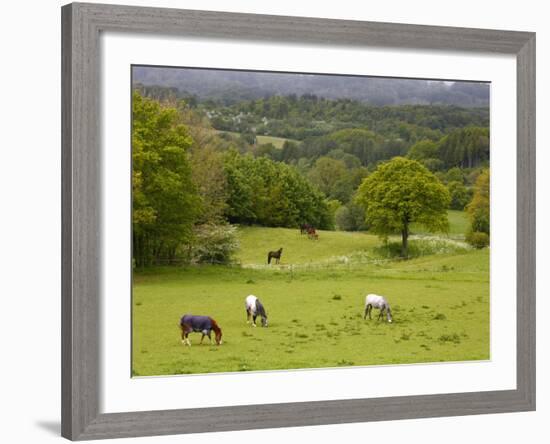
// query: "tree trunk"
[[405, 243]]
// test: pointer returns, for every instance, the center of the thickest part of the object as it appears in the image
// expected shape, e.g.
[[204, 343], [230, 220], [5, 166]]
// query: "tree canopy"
[[401, 192], [165, 200], [273, 194]]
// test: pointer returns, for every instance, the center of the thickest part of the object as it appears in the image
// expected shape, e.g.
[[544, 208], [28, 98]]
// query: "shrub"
[[422, 246], [477, 239], [460, 195], [350, 217], [214, 244]]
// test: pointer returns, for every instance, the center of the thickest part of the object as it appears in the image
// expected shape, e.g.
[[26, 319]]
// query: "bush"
[[460, 195], [214, 244], [350, 217], [477, 239], [425, 246]]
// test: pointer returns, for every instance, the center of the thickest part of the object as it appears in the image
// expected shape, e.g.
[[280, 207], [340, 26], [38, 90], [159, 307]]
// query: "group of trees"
[[191, 181], [273, 194], [465, 148], [311, 116], [187, 183], [165, 202]]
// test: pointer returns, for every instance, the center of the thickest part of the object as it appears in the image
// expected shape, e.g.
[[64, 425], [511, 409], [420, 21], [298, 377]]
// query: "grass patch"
[[308, 327], [454, 338]]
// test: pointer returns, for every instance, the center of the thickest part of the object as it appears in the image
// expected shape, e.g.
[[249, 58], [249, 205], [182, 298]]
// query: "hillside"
[[234, 86]]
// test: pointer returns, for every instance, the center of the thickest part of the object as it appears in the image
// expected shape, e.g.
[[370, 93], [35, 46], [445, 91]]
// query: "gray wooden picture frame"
[[81, 232]]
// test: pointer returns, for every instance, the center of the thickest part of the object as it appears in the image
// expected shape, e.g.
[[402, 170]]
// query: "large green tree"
[[401, 192], [165, 201]]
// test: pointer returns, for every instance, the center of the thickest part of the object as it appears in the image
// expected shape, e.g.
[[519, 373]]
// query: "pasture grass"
[[458, 225], [256, 242], [277, 142], [440, 305]]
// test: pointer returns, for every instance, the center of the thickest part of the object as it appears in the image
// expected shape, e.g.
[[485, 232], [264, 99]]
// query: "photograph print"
[[296, 221]]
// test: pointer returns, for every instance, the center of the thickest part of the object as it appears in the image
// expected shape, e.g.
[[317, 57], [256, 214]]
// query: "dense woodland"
[[202, 165]]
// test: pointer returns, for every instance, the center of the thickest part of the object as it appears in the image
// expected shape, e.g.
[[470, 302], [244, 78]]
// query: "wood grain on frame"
[[81, 234]]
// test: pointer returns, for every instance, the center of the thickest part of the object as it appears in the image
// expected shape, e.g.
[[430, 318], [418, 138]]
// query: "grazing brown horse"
[[274, 255], [200, 324], [312, 234]]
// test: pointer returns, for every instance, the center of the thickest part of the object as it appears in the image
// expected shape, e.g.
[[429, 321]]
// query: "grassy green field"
[[315, 303], [458, 224], [277, 142]]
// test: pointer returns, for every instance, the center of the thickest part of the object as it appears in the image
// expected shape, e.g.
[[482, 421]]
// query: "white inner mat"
[[120, 392]]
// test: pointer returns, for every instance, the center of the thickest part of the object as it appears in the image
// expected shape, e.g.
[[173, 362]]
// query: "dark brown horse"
[[274, 255]]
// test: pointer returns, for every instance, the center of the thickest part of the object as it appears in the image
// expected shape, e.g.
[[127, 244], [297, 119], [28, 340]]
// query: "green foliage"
[[329, 174], [425, 149], [350, 217], [460, 195], [214, 244], [270, 193], [455, 174], [466, 147], [479, 208], [477, 239], [165, 201], [400, 192], [311, 116], [208, 176]]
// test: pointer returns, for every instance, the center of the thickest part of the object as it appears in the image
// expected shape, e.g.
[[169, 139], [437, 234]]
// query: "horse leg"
[[247, 316], [366, 311], [202, 337], [369, 308], [254, 321], [185, 336], [381, 314]]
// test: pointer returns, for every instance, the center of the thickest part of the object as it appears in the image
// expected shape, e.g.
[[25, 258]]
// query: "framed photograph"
[[276, 221]]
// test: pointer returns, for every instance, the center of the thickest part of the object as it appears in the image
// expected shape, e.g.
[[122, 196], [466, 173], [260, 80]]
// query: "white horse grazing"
[[380, 302], [254, 308]]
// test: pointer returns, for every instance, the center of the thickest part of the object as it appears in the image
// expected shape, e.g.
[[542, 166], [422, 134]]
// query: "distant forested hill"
[[231, 87]]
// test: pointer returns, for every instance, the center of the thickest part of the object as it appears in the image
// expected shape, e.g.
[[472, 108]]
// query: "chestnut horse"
[[200, 324]]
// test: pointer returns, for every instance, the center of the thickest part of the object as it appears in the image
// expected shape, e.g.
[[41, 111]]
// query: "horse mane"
[[215, 326]]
